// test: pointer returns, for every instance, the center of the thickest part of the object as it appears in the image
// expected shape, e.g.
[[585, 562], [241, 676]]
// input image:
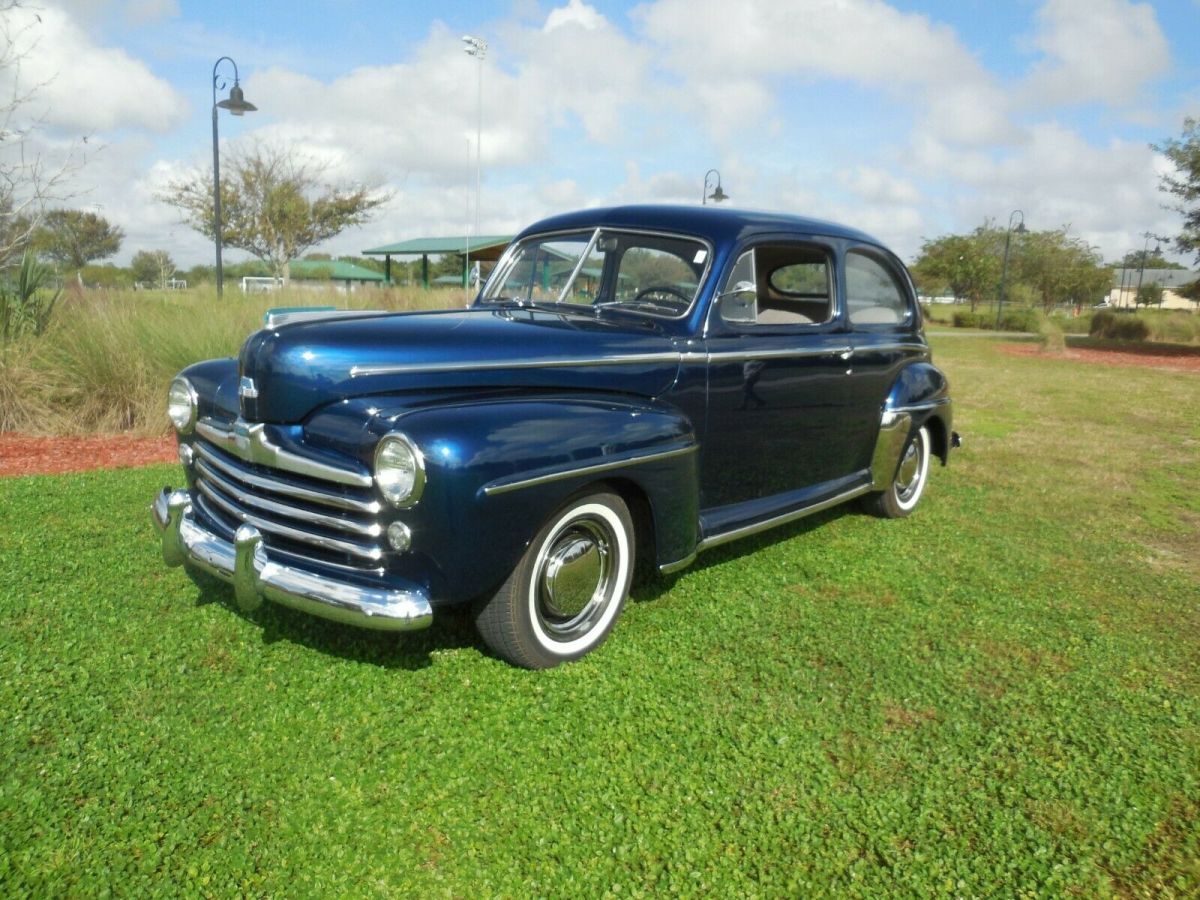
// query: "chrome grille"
[[300, 518]]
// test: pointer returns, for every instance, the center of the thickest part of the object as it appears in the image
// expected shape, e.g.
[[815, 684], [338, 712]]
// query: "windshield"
[[649, 273]]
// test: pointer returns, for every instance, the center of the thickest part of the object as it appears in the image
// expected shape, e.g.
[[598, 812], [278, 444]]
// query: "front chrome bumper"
[[245, 565]]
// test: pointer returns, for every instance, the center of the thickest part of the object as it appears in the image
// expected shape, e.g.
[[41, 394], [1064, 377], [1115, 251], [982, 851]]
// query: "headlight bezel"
[[417, 488], [186, 425]]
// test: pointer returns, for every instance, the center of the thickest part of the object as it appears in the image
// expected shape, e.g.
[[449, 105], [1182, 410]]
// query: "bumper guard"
[[245, 565]]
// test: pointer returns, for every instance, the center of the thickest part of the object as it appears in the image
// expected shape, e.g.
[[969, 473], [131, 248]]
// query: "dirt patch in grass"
[[1110, 357], [25, 455]]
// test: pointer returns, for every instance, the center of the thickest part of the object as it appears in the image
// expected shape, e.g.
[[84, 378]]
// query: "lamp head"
[[718, 195], [236, 104]]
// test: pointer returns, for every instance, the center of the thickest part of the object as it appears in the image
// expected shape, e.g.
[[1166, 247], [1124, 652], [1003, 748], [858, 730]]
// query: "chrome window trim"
[[503, 485], [505, 262], [239, 494], [373, 507], [627, 359], [248, 441], [369, 553]]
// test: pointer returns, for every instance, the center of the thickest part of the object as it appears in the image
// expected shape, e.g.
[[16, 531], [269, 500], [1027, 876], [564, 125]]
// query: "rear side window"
[[875, 294], [780, 284]]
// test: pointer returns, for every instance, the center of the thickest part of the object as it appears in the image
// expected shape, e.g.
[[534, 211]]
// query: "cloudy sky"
[[908, 118]]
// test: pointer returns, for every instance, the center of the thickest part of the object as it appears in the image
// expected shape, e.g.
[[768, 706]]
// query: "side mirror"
[[739, 303]]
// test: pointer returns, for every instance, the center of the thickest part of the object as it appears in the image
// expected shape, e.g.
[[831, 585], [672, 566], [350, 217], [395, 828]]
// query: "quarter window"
[[874, 293]]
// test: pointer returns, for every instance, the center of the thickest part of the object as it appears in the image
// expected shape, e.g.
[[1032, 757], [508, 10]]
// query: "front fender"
[[497, 467]]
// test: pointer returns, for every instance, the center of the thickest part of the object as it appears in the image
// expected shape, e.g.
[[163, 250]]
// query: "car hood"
[[296, 368]]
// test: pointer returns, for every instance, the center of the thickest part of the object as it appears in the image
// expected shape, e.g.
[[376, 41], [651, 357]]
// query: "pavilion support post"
[[387, 268], [425, 270]]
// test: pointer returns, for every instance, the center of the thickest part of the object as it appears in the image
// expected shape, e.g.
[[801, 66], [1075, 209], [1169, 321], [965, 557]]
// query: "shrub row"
[[1110, 326], [1021, 318]]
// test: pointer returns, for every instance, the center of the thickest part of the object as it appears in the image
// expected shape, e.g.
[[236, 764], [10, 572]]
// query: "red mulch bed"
[[1111, 357], [24, 455]]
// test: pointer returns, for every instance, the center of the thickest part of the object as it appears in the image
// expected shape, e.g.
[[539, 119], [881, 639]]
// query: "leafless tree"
[[29, 179]]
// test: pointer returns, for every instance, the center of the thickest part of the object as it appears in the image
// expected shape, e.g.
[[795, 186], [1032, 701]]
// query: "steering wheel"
[[657, 292]]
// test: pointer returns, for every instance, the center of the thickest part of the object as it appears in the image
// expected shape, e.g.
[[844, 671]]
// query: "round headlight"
[[399, 470], [181, 405]]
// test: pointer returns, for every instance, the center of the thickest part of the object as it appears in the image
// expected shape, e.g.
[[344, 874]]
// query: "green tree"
[[1150, 294], [1184, 183], [1061, 269], [152, 267], [74, 238], [968, 264], [273, 205]]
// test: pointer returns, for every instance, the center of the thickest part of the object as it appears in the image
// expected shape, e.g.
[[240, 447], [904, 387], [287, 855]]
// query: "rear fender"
[[921, 393]]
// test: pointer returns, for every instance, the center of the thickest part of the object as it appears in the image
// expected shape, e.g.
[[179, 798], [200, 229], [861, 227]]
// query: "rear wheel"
[[564, 596], [901, 498]]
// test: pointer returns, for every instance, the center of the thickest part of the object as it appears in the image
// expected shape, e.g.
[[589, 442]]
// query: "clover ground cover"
[[1000, 694]]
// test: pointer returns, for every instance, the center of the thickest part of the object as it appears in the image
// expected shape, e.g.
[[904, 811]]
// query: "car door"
[[777, 351], [885, 330]]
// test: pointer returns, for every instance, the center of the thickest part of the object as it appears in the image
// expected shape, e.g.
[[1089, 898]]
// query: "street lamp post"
[[1004, 269], [1142, 265], [237, 105], [476, 47], [717, 195]]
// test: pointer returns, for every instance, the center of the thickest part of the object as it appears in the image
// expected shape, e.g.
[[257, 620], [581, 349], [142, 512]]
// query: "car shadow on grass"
[[452, 629], [651, 586]]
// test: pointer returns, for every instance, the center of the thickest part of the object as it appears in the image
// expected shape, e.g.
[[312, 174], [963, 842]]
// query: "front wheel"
[[901, 497], [565, 594]]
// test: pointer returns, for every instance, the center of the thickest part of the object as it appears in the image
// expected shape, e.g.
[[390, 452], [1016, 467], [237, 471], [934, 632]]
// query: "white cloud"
[[865, 42], [80, 86], [1096, 50], [145, 12], [576, 12]]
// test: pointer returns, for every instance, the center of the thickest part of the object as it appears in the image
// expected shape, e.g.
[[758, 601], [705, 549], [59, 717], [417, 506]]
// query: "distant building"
[[1123, 293]]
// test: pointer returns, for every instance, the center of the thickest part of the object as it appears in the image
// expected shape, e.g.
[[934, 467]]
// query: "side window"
[[874, 293], [780, 284]]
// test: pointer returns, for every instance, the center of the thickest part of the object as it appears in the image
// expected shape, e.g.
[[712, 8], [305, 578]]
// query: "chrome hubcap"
[[908, 478], [575, 579]]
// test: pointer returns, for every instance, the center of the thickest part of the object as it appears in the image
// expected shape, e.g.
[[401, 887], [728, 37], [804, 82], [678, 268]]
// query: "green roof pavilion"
[[485, 248]]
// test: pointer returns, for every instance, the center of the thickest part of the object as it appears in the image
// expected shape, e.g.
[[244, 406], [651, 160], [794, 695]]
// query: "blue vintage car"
[[641, 382]]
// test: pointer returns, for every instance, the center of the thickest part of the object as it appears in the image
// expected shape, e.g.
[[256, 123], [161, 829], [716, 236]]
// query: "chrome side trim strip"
[[920, 407], [767, 524], [504, 485], [245, 564], [249, 441], [722, 356], [372, 530], [373, 507], [899, 345], [628, 359], [371, 554]]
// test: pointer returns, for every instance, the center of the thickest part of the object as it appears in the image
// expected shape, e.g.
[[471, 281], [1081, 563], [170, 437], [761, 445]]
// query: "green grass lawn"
[[1000, 695]]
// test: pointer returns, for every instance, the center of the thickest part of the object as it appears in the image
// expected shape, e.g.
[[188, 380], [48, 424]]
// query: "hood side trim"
[[631, 359]]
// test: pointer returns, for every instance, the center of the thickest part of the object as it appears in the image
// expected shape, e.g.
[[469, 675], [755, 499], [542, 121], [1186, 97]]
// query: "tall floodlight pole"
[[237, 105], [1004, 269], [477, 47]]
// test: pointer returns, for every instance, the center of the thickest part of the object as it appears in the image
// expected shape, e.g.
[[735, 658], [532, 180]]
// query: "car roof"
[[717, 224]]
